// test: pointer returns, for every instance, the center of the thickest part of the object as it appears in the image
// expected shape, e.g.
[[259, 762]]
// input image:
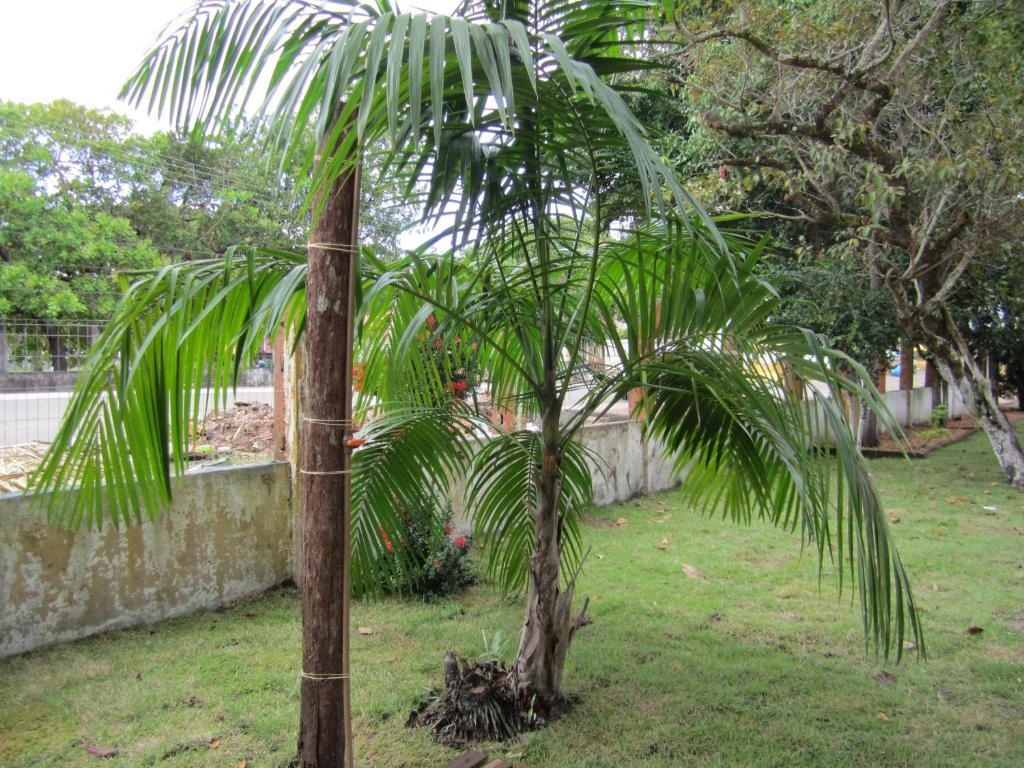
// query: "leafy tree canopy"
[[62, 235]]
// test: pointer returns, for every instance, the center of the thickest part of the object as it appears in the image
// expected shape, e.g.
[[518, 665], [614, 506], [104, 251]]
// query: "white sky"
[[84, 50]]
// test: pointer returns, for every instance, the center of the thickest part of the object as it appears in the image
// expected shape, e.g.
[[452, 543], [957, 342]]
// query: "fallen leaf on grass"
[[975, 630], [909, 646], [883, 717], [101, 752], [622, 521], [242, 764], [894, 518], [214, 743], [692, 571], [664, 519], [366, 630], [663, 546]]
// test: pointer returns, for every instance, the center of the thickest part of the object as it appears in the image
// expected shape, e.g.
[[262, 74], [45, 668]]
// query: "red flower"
[[358, 376], [431, 322], [387, 542], [437, 563], [449, 529], [458, 386], [460, 542]]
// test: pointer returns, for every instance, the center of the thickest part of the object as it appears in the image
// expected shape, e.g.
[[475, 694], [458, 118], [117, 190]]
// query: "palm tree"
[[510, 116], [691, 327]]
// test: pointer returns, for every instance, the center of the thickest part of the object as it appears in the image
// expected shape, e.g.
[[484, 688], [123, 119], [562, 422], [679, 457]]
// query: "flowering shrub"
[[440, 559]]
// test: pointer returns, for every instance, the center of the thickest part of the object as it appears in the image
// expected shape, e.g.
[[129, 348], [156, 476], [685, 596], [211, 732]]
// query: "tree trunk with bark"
[[324, 733], [868, 437], [5, 350], [58, 347], [961, 372], [549, 626]]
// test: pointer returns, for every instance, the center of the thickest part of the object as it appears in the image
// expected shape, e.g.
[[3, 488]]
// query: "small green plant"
[[940, 415], [493, 646]]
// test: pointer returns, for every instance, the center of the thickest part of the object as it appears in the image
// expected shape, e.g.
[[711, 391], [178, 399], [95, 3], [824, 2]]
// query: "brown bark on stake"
[[324, 728]]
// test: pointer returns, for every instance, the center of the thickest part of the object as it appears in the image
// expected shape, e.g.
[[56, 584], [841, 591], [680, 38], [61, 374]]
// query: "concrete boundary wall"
[[227, 535], [914, 406], [630, 466]]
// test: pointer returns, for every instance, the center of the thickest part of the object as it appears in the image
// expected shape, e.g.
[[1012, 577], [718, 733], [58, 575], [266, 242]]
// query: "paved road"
[[27, 417]]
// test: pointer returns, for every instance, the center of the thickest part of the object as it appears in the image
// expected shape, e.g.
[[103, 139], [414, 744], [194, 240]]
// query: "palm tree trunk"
[[324, 731], [549, 626]]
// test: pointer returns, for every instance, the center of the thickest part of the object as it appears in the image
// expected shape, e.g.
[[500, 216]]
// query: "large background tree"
[[896, 123]]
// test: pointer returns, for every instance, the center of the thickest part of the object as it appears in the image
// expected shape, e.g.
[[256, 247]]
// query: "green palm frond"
[[176, 343], [501, 492], [747, 450], [438, 88]]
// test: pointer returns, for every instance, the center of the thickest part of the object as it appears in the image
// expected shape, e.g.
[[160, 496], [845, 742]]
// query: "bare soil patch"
[[924, 438]]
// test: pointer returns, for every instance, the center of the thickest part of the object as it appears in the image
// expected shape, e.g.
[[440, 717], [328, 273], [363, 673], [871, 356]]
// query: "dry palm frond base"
[[17, 462], [480, 702]]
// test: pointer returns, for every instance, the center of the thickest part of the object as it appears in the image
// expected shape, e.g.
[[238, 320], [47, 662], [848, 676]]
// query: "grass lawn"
[[750, 665]]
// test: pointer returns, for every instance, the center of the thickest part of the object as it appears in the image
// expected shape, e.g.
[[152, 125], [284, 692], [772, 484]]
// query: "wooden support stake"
[[325, 722]]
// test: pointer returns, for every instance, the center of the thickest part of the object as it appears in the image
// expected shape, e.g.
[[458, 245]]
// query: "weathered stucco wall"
[[628, 466], [227, 535]]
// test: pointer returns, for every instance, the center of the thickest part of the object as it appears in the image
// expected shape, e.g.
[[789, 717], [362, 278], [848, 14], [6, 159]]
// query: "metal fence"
[[39, 364]]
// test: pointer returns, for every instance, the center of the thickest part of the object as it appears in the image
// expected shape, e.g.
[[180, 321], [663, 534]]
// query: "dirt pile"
[[245, 428]]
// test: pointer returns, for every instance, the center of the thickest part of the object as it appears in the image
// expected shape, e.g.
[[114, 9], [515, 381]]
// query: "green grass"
[[752, 665]]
